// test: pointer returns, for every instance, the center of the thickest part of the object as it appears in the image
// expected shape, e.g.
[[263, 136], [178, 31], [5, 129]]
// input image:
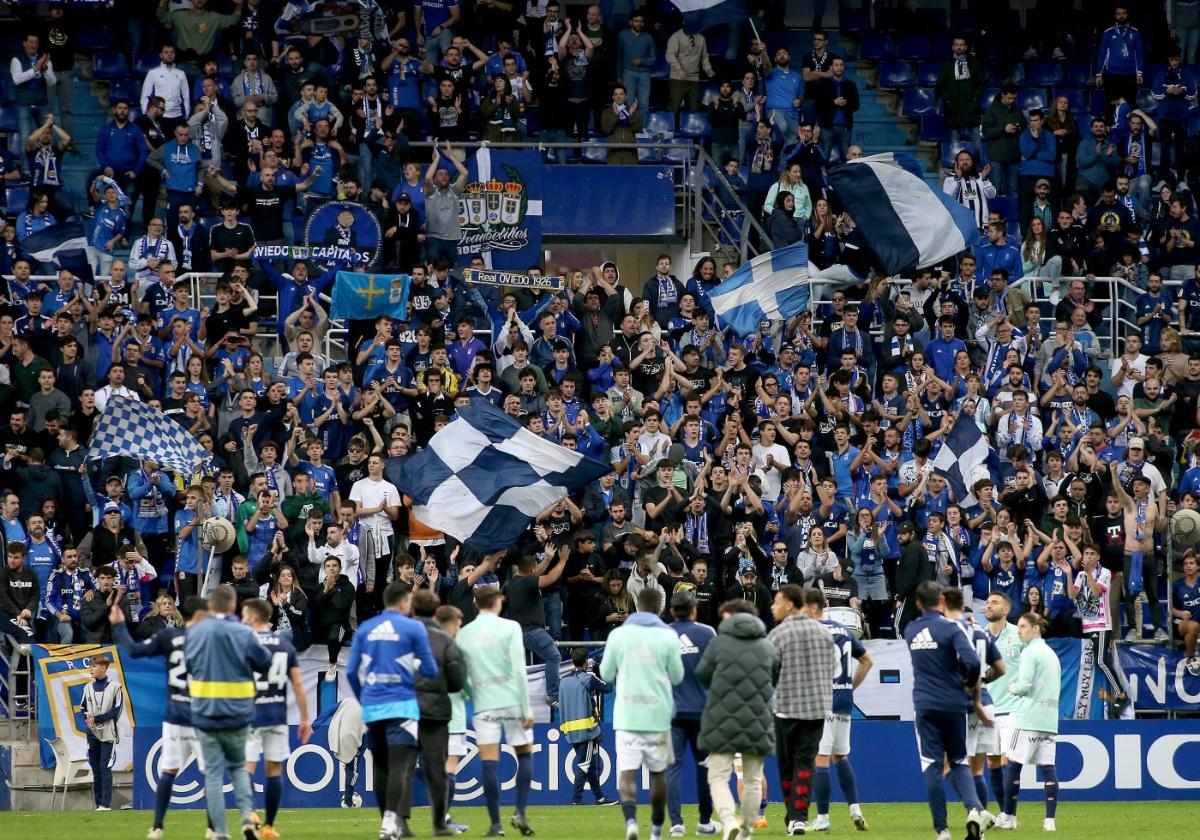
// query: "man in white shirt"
[[770, 460], [169, 82], [377, 505], [1129, 368], [114, 388], [335, 545], [33, 75]]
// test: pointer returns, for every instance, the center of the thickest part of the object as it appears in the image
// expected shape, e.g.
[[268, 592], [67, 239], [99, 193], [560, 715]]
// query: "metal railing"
[[17, 701]]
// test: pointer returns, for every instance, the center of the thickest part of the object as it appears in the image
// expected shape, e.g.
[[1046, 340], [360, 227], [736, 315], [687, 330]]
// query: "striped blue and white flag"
[[963, 459], [132, 429], [772, 285], [63, 246], [699, 15], [484, 477], [908, 223]]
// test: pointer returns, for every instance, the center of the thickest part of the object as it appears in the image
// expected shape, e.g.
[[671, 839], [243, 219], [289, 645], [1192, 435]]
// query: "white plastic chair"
[[69, 774]]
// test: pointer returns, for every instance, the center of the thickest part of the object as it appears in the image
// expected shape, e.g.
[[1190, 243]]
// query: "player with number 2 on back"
[[179, 743], [269, 732]]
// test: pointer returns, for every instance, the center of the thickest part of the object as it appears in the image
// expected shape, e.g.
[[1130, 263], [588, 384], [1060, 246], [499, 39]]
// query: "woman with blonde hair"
[[162, 614], [790, 182]]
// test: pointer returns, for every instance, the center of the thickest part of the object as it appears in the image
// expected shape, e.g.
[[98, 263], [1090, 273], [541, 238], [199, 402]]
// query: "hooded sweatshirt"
[[643, 657]]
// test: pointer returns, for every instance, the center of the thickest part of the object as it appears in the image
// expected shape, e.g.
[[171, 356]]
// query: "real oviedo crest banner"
[[500, 210]]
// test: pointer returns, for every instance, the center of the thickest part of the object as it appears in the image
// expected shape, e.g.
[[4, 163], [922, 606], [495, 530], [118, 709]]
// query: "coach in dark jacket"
[[913, 569], [737, 718], [433, 697]]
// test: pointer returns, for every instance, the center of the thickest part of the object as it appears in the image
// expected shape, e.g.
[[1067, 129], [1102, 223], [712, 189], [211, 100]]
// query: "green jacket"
[[296, 507], [196, 31], [494, 651], [643, 657], [1010, 645], [1036, 687], [1003, 147], [737, 666]]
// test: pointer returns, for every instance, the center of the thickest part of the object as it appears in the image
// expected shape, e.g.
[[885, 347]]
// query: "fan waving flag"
[[132, 429], [484, 477], [64, 246], [963, 459], [699, 15], [367, 296], [908, 223], [772, 285]]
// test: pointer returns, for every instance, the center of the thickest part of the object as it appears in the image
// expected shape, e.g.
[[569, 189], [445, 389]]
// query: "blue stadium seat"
[[1084, 123], [17, 199], [1032, 98], [125, 89], [225, 65], [709, 93], [941, 47], [109, 65], [94, 39], [985, 99], [896, 74], [8, 118], [1044, 74], [1194, 124], [918, 102], [1078, 75], [875, 48], [964, 21], [933, 20], [853, 20], [660, 122], [1099, 106], [927, 73], [950, 151], [694, 124], [648, 155], [660, 69], [7, 91], [594, 151], [681, 151], [1006, 206], [913, 46], [1016, 74], [934, 130], [144, 62], [1146, 101]]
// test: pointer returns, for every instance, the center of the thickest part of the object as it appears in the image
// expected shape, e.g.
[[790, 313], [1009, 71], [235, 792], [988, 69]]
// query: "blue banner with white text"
[[500, 208]]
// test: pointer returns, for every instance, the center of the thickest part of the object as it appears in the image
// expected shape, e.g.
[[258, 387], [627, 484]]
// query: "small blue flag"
[[367, 296]]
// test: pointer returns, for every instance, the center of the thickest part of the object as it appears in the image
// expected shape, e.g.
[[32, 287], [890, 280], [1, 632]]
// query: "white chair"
[[68, 774]]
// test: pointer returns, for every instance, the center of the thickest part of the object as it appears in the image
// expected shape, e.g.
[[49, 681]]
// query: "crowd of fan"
[[801, 452]]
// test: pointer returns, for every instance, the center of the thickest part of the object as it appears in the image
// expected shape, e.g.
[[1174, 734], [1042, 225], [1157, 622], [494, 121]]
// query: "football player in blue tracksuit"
[[389, 647], [944, 664], [690, 697]]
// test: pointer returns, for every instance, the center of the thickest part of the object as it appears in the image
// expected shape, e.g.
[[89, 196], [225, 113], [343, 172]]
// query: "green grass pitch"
[[1076, 820]]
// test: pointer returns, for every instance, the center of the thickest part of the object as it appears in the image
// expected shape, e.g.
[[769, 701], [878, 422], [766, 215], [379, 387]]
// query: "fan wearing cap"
[[99, 546], [913, 569]]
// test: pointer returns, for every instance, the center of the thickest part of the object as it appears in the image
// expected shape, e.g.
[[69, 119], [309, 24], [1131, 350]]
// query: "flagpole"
[[754, 29]]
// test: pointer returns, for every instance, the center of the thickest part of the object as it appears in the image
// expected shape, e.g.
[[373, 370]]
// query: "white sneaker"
[[331, 673], [856, 817], [709, 827], [975, 825], [944, 834], [1133, 634], [797, 827], [209, 834], [154, 834], [677, 831], [1005, 822], [1160, 635], [102, 808], [821, 823], [1048, 824], [631, 830]]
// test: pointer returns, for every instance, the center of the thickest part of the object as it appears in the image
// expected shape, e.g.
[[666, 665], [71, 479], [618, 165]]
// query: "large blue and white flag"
[[772, 285], [699, 15], [132, 429], [64, 246], [484, 477], [908, 223], [500, 208], [963, 459]]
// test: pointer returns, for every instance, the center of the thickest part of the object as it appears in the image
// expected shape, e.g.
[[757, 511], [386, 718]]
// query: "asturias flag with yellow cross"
[[367, 296]]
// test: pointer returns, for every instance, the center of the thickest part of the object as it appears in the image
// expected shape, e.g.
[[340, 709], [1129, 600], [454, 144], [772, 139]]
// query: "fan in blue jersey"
[[269, 731], [982, 737], [835, 737], [944, 664], [1185, 610], [179, 744]]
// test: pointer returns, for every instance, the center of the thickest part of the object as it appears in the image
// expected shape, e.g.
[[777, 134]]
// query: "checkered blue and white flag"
[[484, 477], [132, 429], [963, 459]]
